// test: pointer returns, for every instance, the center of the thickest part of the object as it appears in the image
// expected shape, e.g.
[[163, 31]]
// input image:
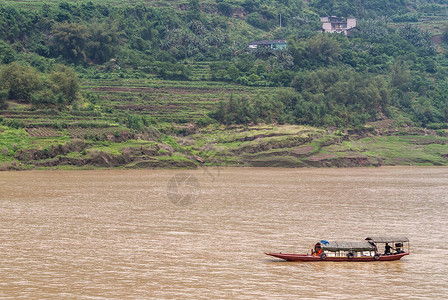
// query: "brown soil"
[[272, 144], [170, 90], [302, 151], [105, 160], [342, 162]]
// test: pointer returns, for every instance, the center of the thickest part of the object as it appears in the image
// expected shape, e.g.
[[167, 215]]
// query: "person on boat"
[[388, 249], [317, 249], [398, 249], [373, 245]]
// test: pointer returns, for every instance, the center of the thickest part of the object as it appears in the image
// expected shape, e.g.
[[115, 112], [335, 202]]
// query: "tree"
[[20, 81], [255, 19], [7, 54], [70, 41], [46, 99], [319, 50], [225, 8], [400, 76], [103, 42], [194, 10], [64, 81], [418, 38], [3, 98], [373, 30], [445, 35], [323, 49]]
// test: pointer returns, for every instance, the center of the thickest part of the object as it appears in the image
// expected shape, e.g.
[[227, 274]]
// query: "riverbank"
[[251, 146]]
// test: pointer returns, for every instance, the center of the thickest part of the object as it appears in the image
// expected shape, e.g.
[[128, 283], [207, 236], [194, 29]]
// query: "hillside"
[[172, 84]]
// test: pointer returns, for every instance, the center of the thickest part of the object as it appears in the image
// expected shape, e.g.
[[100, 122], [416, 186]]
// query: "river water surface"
[[201, 234]]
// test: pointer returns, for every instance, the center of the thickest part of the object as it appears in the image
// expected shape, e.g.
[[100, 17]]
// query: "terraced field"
[[37, 3], [168, 101], [160, 101], [435, 23]]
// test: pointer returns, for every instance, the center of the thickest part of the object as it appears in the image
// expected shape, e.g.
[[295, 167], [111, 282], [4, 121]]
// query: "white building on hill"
[[339, 25]]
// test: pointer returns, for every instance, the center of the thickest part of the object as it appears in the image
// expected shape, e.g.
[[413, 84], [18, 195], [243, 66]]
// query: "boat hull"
[[305, 257]]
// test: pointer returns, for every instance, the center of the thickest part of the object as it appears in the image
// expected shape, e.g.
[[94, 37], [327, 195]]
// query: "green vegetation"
[[56, 89], [151, 84], [343, 81], [398, 150]]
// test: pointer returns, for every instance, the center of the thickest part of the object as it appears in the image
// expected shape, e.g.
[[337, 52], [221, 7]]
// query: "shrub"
[[225, 8], [20, 81], [14, 123], [64, 81], [256, 20], [3, 98]]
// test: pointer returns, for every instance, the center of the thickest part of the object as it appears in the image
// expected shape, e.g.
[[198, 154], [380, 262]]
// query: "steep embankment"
[[255, 146], [299, 146]]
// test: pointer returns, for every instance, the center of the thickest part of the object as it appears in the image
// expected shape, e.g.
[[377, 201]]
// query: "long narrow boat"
[[307, 257], [368, 250]]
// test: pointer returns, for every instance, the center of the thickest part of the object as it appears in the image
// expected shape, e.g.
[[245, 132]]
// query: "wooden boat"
[[368, 250]]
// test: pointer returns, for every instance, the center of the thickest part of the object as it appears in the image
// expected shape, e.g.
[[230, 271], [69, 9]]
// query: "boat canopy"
[[346, 246], [388, 239]]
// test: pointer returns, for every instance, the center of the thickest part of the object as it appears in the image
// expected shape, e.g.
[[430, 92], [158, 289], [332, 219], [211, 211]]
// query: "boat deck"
[[306, 257]]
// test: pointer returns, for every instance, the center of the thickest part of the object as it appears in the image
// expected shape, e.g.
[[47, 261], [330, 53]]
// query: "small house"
[[337, 24], [271, 44]]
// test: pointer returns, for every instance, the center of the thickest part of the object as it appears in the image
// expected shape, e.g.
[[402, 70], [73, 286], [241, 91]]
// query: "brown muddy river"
[[201, 234]]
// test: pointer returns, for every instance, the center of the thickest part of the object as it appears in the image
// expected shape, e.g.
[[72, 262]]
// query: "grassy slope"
[[263, 145]]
